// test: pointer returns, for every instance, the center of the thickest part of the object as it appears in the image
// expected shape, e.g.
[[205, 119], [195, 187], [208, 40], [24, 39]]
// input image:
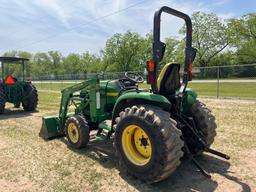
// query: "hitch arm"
[[212, 151], [191, 157], [201, 141]]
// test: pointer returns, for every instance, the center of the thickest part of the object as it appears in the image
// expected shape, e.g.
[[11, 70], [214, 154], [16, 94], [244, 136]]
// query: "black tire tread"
[[167, 138], [205, 122], [84, 131], [2, 99], [31, 101]]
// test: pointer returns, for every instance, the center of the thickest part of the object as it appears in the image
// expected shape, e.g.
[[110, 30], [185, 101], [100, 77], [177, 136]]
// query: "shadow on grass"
[[12, 113], [185, 178]]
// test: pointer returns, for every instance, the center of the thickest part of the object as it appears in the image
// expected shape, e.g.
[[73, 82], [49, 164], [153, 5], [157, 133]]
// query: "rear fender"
[[139, 98], [188, 100]]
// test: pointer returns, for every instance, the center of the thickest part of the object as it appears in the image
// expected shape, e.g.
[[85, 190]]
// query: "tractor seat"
[[9, 80], [169, 79]]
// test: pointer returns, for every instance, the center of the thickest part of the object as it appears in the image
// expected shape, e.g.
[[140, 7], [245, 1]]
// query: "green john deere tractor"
[[152, 129], [16, 90]]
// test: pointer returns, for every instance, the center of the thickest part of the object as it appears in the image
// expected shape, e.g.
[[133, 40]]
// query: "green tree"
[[72, 64], [209, 36], [146, 49], [25, 54], [56, 62], [174, 51], [91, 63], [242, 35], [122, 52], [41, 64]]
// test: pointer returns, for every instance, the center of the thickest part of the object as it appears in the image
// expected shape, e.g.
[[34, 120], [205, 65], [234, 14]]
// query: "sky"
[[77, 26]]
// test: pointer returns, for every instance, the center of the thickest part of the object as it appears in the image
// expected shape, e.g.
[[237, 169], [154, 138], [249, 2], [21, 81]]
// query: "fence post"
[[218, 81], [41, 82], [51, 83]]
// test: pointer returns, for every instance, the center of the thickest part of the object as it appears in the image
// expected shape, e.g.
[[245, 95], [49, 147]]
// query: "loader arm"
[[53, 126], [66, 95]]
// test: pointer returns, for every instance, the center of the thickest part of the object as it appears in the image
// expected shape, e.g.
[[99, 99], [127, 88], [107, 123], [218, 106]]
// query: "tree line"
[[218, 41]]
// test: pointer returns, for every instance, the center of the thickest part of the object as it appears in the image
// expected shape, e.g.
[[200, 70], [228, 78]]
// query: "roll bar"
[[14, 60], [159, 47]]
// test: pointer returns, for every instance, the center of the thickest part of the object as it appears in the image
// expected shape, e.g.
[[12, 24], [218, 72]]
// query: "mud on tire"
[[164, 137]]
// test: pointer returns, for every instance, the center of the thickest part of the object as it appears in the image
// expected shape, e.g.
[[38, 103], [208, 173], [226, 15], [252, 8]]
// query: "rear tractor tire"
[[205, 124], [2, 99], [77, 131], [148, 143], [31, 98]]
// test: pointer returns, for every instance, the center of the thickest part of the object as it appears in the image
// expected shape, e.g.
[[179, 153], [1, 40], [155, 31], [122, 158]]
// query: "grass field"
[[243, 90], [247, 90], [28, 163]]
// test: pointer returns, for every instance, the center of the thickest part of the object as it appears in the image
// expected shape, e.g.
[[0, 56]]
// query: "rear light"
[[151, 69], [151, 65], [190, 67]]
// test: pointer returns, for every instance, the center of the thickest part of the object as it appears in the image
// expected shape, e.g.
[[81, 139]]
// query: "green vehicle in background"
[[16, 90], [151, 129]]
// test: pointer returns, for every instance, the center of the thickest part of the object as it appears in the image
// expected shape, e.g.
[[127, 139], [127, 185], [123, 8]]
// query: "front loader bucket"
[[49, 128]]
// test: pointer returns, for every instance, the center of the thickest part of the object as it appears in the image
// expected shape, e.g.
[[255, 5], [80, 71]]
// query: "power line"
[[40, 18], [82, 25]]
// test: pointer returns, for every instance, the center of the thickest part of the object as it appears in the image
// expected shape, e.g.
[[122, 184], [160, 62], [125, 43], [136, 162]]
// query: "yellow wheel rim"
[[73, 132], [136, 145]]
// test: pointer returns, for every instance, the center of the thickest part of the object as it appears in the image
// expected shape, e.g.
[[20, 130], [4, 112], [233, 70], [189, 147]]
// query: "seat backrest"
[[9, 80], [169, 79]]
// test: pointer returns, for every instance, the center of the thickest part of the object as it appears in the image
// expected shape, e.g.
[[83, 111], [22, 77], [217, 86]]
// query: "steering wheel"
[[134, 77]]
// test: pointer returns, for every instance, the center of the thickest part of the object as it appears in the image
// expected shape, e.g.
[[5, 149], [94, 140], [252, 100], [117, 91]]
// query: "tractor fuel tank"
[[109, 94]]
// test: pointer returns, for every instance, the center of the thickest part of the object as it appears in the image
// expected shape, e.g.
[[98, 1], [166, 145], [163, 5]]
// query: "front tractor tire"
[[2, 99], [30, 100], [77, 131], [148, 143], [205, 124]]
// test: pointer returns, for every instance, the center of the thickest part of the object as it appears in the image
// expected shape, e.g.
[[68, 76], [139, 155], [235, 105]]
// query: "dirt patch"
[[28, 163], [2, 145], [17, 186]]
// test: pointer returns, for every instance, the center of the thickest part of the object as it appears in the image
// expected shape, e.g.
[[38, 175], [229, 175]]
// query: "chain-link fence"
[[226, 81], [216, 81]]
